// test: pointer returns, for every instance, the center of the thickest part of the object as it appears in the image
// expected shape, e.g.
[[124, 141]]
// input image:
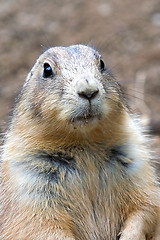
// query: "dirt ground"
[[127, 33]]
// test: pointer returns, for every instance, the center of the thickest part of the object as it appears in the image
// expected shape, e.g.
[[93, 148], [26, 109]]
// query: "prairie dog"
[[75, 165]]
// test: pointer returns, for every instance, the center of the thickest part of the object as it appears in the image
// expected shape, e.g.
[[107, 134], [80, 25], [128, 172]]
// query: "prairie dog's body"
[[75, 165]]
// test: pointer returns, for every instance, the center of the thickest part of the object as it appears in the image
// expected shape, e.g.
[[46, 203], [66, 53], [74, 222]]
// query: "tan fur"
[[106, 189]]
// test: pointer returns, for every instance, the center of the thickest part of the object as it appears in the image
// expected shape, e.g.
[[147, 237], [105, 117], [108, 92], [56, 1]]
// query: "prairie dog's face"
[[72, 85]]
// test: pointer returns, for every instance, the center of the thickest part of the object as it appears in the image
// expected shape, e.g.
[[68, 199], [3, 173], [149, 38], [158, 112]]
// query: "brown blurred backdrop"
[[127, 33]]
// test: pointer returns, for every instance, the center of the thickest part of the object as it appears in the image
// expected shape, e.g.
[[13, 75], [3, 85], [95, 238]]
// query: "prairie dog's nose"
[[87, 88], [88, 94]]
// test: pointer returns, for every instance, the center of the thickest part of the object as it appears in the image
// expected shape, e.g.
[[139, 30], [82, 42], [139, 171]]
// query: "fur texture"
[[75, 165]]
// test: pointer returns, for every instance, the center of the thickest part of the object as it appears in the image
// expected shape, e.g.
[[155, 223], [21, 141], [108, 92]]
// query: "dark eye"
[[47, 72], [102, 65]]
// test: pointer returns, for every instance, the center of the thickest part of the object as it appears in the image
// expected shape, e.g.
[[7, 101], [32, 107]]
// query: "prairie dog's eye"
[[47, 72], [102, 65]]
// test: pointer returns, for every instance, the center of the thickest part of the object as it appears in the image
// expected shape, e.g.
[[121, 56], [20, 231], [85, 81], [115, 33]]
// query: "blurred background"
[[127, 34]]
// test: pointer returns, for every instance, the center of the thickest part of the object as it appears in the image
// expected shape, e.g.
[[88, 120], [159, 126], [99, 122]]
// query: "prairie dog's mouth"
[[86, 113], [86, 118]]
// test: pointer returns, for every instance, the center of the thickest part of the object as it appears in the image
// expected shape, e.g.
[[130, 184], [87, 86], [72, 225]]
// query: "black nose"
[[88, 94]]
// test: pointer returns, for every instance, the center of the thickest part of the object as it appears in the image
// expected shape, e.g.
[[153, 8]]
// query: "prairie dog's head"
[[71, 85]]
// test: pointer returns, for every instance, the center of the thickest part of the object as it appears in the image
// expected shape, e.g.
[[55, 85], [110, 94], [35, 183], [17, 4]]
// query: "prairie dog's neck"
[[42, 135]]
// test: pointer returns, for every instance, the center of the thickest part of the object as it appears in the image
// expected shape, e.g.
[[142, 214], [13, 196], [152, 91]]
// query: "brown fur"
[[75, 178]]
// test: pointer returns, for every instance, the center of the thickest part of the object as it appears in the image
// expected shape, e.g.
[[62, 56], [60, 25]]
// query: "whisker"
[[123, 106], [133, 96]]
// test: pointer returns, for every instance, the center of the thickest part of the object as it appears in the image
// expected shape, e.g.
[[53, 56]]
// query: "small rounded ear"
[[102, 65]]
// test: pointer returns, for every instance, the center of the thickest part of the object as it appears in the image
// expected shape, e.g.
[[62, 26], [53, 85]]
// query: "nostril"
[[88, 94]]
